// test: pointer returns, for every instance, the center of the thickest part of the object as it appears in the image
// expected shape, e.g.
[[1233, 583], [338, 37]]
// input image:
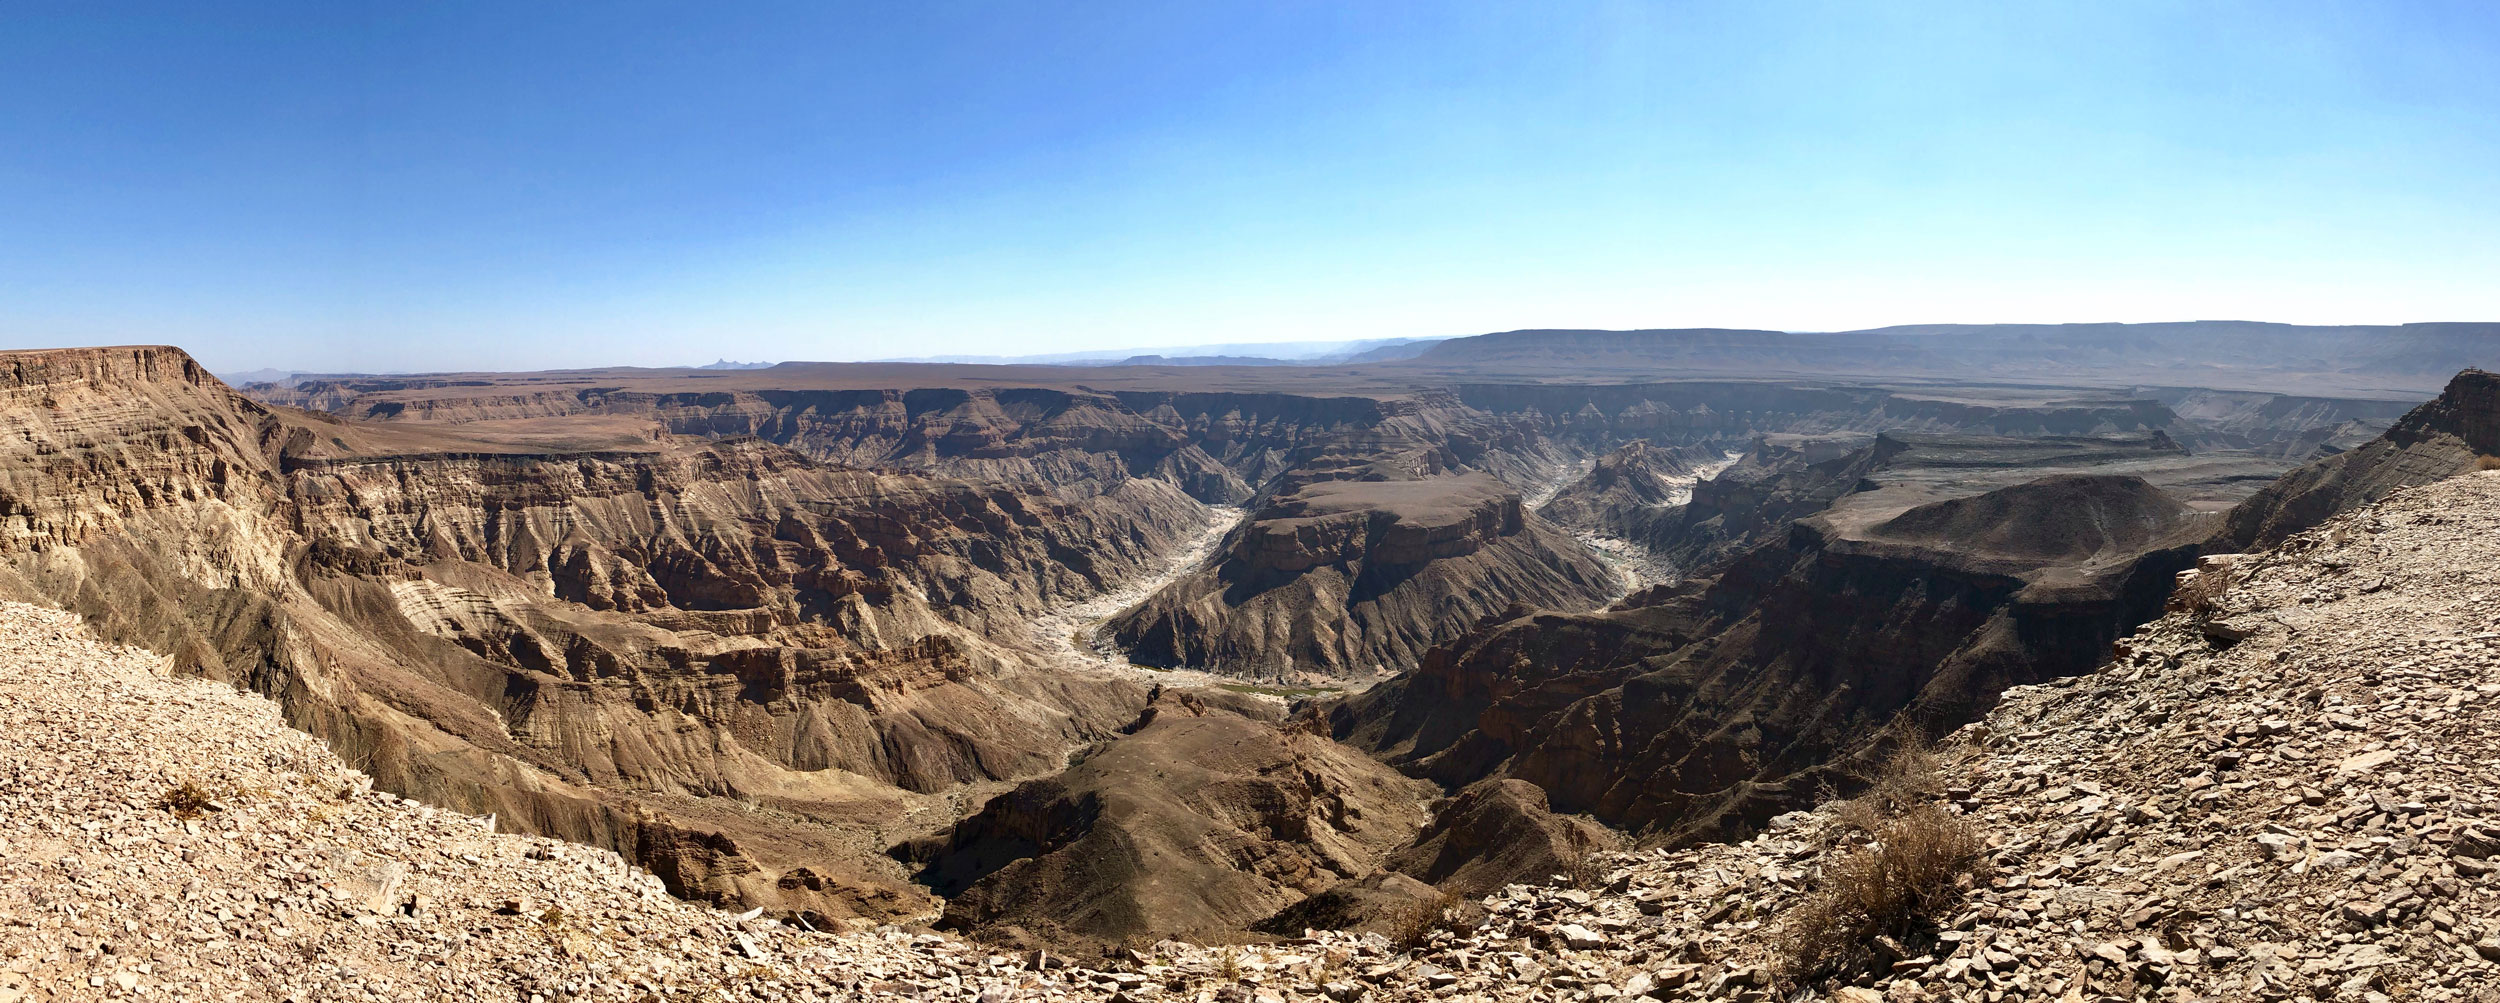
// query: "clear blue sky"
[[389, 186]]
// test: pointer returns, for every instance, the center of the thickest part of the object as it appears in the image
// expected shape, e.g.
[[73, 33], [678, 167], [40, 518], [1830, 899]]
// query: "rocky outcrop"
[[1200, 822], [1712, 708], [1623, 486], [2437, 440], [1496, 833], [734, 665], [1352, 576]]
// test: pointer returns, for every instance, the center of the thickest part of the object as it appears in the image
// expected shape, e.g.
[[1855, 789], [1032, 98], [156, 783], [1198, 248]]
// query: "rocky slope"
[[1199, 823], [173, 838], [1709, 709], [725, 660], [2436, 440], [2277, 791], [1351, 577]]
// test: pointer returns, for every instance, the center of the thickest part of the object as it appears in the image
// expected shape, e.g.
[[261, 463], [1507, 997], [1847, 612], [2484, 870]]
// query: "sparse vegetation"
[[189, 800], [1920, 866], [1905, 781], [1411, 928], [1585, 873]]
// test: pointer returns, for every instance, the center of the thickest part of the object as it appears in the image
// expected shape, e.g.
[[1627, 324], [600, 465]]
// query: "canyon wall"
[[737, 666]]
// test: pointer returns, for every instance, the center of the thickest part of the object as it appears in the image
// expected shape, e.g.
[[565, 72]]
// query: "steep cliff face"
[[2438, 440], [1336, 594], [1341, 577], [2292, 426], [1218, 447], [1784, 478], [1716, 707], [728, 662], [1622, 487]]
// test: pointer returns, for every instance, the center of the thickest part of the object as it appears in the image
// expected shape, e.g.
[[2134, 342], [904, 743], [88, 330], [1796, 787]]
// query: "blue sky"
[[340, 185]]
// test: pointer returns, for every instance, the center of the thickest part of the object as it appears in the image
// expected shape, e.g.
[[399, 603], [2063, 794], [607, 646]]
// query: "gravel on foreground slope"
[[2284, 789], [278, 873]]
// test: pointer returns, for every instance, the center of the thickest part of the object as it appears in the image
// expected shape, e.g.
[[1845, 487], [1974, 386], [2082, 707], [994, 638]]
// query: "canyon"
[[857, 644]]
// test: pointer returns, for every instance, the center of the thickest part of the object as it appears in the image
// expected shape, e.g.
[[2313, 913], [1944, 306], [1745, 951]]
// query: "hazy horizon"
[[320, 187]]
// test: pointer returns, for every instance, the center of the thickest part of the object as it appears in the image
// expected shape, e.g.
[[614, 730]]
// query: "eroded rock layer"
[[1356, 576], [1710, 709], [735, 665]]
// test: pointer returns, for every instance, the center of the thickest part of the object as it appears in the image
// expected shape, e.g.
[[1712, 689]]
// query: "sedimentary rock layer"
[[735, 665]]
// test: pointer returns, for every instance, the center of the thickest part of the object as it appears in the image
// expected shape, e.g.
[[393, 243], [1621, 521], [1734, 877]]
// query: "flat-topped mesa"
[[1379, 523], [2063, 518], [50, 367]]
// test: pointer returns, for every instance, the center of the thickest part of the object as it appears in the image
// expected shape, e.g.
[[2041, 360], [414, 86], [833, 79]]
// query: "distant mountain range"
[[2399, 360], [1270, 353]]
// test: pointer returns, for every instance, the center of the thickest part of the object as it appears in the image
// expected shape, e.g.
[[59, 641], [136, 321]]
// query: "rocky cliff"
[[739, 667], [1356, 576], [1709, 709], [1623, 486], [2439, 439]]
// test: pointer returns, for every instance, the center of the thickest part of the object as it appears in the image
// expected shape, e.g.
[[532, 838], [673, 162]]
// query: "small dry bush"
[[1412, 926], [1907, 780], [188, 800], [1920, 867], [2487, 463]]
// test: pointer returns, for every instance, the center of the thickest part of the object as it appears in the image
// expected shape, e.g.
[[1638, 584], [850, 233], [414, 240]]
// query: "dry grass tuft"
[[1919, 868], [2487, 463], [1907, 780], [1412, 927], [189, 800]]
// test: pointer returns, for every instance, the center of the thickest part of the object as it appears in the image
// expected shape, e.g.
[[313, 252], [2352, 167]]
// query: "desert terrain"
[[1395, 676]]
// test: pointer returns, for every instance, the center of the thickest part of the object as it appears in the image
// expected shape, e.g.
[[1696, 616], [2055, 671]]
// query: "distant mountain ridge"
[[2392, 359]]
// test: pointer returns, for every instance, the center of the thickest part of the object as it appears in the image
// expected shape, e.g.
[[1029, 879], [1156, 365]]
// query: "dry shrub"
[[2487, 463], [1907, 780], [1920, 867], [188, 800], [1411, 927]]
